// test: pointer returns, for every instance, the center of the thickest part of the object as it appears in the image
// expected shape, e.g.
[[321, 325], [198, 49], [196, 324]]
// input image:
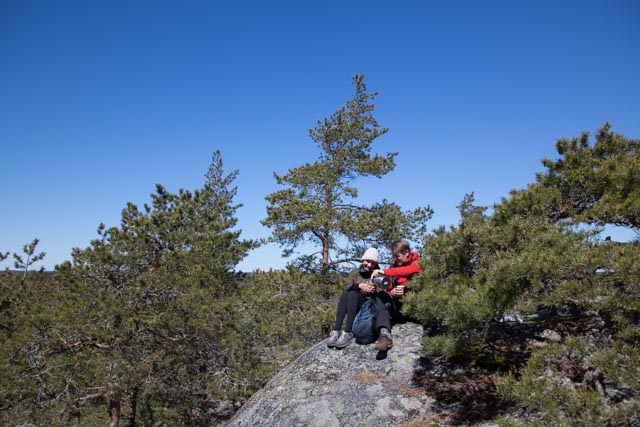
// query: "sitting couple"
[[388, 302]]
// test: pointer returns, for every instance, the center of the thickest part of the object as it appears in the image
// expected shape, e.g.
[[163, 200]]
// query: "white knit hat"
[[370, 254]]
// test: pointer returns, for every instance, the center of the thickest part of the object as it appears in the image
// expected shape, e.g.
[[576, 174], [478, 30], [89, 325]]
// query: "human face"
[[368, 264], [401, 257]]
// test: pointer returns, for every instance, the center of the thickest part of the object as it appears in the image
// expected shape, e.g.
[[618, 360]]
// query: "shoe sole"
[[383, 349], [344, 345], [331, 344]]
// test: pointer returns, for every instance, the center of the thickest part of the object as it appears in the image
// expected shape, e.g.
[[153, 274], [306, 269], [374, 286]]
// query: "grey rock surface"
[[355, 386]]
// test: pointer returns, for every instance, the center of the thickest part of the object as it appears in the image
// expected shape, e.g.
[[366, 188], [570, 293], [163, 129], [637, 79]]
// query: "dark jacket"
[[356, 276]]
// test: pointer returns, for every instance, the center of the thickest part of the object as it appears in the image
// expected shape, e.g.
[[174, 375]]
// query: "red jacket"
[[404, 272]]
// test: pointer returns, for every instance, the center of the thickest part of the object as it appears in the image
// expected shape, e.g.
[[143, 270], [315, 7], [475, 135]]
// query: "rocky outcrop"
[[358, 386], [355, 386]]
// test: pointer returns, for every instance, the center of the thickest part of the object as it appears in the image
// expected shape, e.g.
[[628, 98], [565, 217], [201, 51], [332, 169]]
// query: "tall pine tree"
[[318, 205]]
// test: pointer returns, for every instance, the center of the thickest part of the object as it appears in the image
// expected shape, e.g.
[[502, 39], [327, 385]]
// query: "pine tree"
[[318, 204], [597, 183], [32, 257], [532, 255], [139, 318]]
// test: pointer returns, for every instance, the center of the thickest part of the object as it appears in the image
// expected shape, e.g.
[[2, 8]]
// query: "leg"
[[352, 300], [386, 308], [355, 299], [341, 311], [384, 305]]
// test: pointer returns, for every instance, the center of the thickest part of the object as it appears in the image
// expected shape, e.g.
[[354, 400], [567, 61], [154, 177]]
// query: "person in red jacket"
[[388, 302]]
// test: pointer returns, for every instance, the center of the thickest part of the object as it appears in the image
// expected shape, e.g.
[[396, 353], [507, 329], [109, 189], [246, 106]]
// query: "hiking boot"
[[333, 338], [344, 340], [384, 343]]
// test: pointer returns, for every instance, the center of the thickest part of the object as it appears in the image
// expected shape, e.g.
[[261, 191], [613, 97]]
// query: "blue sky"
[[99, 101]]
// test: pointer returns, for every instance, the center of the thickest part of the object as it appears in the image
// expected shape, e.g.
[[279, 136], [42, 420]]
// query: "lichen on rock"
[[353, 386]]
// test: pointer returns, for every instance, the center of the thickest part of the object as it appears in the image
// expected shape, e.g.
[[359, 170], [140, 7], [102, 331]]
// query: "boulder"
[[354, 386]]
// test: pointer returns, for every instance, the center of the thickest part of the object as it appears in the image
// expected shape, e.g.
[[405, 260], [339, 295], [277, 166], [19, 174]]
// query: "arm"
[[352, 280], [405, 271]]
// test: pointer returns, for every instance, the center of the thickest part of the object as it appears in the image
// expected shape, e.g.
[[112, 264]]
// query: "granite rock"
[[354, 386]]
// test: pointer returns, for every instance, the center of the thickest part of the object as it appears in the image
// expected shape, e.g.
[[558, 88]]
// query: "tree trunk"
[[325, 258], [113, 408], [134, 405], [325, 252]]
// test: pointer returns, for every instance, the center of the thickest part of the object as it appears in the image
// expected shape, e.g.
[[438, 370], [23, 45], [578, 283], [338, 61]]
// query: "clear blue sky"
[[101, 100]]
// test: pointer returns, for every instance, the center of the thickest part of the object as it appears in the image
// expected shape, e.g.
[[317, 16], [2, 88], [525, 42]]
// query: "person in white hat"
[[358, 286]]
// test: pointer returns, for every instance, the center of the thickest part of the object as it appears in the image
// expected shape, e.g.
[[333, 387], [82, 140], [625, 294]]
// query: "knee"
[[354, 296], [344, 296]]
